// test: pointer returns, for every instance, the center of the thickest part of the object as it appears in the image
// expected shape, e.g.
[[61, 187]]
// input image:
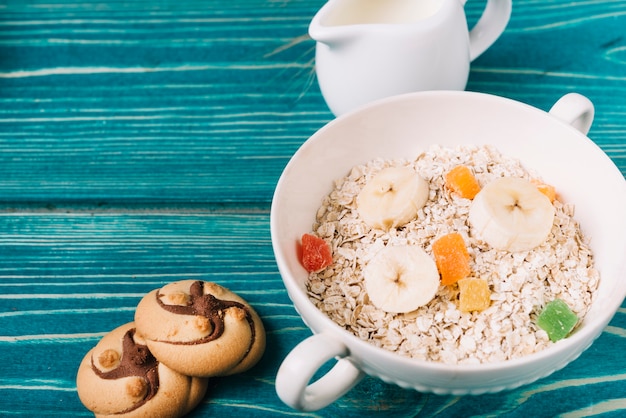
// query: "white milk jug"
[[370, 49]]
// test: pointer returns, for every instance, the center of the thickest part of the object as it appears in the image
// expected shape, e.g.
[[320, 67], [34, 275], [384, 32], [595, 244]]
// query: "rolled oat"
[[521, 283]]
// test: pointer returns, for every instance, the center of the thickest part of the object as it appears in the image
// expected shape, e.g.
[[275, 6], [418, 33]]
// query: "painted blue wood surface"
[[140, 143]]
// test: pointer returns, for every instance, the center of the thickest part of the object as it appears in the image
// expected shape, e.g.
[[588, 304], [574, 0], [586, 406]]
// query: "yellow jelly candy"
[[474, 294]]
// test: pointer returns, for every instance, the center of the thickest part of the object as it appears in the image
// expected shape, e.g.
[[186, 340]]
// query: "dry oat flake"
[[521, 283]]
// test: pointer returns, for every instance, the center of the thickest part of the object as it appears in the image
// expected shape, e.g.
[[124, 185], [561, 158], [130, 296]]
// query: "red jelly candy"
[[316, 254]]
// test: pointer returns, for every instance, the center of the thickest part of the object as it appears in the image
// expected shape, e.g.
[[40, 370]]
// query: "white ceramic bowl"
[[553, 143]]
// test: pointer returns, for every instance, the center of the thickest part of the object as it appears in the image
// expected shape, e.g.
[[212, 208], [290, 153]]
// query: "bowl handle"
[[574, 109], [301, 364]]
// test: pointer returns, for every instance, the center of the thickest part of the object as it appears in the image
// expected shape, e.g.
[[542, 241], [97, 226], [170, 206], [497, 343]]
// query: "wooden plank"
[[140, 143], [153, 100], [156, 101], [68, 278]]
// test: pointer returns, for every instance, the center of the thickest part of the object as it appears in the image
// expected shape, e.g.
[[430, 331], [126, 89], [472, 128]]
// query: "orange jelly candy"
[[451, 257], [461, 180], [474, 294], [546, 189]]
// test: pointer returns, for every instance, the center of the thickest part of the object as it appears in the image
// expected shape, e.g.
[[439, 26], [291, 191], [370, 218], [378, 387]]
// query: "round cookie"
[[120, 377], [200, 328]]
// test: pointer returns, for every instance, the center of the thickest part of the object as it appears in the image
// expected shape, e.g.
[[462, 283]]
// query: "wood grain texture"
[[200, 100], [141, 141]]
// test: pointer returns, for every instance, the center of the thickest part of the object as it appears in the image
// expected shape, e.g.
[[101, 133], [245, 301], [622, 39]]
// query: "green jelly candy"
[[557, 319]]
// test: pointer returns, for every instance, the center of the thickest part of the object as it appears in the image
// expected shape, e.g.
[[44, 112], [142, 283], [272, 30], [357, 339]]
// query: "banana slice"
[[400, 279], [392, 198], [511, 214]]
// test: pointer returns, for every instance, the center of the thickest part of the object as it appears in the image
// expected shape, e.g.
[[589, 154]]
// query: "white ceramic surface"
[[370, 49], [553, 143]]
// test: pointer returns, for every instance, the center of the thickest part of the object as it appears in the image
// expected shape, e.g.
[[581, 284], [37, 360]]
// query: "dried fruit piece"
[[546, 189], [474, 294], [461, 180], [557, 319], [451, 257], [316, 253]]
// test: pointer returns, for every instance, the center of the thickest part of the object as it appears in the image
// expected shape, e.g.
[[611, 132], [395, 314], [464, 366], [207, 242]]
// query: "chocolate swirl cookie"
[[120, 377], [200, 328]]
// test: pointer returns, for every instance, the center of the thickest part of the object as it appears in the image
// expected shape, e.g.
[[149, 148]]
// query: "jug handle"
[[490, 26]]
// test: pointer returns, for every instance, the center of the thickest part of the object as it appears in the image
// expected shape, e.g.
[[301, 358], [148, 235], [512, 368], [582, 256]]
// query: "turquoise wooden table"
[[141, 141]]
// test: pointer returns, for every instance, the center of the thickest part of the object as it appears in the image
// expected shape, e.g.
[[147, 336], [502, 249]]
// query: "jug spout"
[[341, 20], [325, 28], [331, 36]]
